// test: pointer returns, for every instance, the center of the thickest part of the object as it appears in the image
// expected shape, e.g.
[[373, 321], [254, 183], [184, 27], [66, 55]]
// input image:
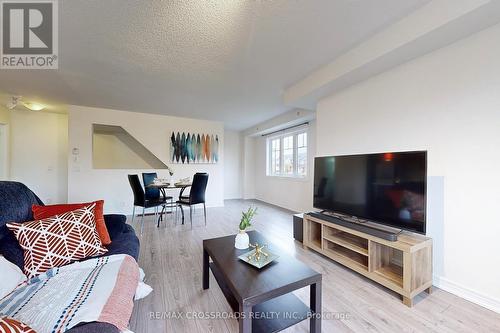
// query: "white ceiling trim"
[[291, 118]]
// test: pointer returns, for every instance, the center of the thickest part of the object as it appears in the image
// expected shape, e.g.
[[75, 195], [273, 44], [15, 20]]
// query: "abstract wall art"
[[190, 148]]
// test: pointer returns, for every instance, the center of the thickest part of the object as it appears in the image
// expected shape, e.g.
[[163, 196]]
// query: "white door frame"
[[4, 152]]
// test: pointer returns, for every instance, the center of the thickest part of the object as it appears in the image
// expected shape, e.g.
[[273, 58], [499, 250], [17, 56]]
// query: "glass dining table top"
[[169, 185]]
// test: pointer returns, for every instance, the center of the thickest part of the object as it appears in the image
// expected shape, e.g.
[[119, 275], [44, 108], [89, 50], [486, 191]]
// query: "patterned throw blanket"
[[100, 289]]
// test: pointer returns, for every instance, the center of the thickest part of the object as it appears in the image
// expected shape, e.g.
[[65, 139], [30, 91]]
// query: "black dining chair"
[[148, 178], [154, 193], [140, 198], [196, 196]]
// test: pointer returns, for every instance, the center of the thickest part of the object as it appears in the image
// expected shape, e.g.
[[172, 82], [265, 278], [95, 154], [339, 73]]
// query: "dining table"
[[164, 187]]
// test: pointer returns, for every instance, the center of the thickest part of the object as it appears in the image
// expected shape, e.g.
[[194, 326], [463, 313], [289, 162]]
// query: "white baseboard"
[[468, 294]]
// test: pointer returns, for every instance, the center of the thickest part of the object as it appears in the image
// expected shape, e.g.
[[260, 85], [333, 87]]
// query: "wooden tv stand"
[[404, 266]]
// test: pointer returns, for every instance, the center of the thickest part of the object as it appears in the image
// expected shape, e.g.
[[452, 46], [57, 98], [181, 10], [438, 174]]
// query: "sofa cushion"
[[115, 224], [94, 327], [11, 250], [15, 204], [58, 240], [43, 212], [125, 242]]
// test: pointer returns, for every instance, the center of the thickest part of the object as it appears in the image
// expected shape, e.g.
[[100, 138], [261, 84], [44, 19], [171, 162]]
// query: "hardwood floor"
[[171, 257]]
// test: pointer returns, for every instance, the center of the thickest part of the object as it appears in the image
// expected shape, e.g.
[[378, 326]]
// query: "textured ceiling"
[[226, 60]]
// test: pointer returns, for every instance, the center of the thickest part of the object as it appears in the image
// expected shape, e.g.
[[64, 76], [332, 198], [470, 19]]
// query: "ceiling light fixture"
[[34, 106]]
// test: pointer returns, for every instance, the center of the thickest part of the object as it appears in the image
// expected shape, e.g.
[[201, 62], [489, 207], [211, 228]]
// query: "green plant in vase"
[[246, 218], [242, 240]]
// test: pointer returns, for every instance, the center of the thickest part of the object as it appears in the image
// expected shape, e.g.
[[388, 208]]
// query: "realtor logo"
[[29, 34]]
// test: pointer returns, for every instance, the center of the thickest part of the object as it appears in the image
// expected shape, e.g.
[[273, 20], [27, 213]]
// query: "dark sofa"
[[15, 206]]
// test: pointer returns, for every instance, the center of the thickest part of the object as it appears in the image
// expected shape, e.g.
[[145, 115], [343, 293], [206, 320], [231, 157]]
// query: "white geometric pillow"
[[58, 240]]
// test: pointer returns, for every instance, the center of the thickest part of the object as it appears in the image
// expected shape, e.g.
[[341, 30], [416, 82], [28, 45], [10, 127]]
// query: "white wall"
[[233, 165], [39, 145], [4, 143], [152, 131], [4, 115], [292, 193], [448, 103], [249, 156], [112, 153], [4, 152]]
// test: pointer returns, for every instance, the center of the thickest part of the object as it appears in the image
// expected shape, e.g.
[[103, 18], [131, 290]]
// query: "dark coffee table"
[[263, 297]]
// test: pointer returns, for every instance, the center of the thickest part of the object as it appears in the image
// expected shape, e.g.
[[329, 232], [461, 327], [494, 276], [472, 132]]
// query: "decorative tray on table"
[[258, 257]]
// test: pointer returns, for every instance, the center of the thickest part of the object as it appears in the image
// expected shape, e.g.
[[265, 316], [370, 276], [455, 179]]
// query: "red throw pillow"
[[58, 240], [43, 212]]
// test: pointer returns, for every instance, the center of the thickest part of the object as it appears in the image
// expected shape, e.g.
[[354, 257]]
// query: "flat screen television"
[[386, 188]]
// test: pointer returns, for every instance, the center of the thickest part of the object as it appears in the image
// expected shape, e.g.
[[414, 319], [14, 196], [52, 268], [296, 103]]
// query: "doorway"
[[4, 152]]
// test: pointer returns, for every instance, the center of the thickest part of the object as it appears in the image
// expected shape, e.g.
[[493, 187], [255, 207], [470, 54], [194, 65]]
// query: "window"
[[275, 156], [302, 154], [287, 155]]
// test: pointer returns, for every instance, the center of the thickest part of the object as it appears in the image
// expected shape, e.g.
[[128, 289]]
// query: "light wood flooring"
[[171, 257]]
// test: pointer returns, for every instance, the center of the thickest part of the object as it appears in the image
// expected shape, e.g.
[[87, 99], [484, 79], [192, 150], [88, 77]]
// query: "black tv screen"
[[387, 188]]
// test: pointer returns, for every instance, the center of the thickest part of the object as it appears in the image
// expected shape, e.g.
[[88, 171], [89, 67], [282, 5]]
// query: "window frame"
[[269, 154]]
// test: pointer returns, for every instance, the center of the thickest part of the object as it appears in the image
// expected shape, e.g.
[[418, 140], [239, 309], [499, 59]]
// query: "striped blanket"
[[100, 289]]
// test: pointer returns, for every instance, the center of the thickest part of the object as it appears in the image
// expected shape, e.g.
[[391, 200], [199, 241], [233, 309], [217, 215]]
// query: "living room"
[[179, 166]]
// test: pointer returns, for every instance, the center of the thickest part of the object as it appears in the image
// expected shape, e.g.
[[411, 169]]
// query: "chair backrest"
[[137, 189], [198, 188], [148, 178]]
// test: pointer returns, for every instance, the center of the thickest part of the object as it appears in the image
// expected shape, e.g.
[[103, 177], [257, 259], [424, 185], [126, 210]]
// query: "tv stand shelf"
[[404, 266]]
